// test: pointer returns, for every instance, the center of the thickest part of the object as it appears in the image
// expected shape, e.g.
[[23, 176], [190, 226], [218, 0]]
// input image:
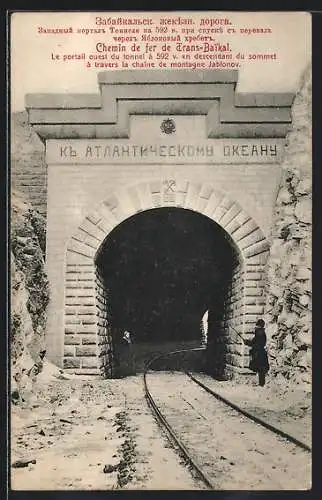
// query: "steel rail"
[[161, 418], [251, 416]]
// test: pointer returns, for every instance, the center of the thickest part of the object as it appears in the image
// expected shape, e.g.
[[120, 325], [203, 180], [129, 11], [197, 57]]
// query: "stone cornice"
[[124, 93]]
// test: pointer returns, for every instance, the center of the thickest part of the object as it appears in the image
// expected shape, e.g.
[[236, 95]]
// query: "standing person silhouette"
[[127, 343], [259, 360]]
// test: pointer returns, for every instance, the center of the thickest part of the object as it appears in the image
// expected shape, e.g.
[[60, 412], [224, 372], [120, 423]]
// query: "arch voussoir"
[[111, 202], [134, 199], [253, 237], [94, 217], [155, 192], [230, 215], [144, 194], [182, 187], [205, 192], [257, 249], [81, 248], [74, 257], [247, 226], [93, 230], [193, 194], [214, 200]]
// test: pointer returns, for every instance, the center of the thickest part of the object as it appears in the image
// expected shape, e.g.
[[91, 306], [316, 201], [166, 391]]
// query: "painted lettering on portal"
[[122, 151], [251, 150], [149, 150]]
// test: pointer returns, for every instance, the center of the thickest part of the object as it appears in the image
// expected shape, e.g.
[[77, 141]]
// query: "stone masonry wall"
[[80, 342], [289, 307], [28, 167], [105, 347], [244, 305], [223, 353], [234, 316]]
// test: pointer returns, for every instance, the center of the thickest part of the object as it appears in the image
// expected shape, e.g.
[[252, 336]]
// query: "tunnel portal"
[[109, 159], [157, 274]]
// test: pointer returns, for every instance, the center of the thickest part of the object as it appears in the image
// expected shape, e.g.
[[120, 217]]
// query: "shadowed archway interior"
[[161, 270]]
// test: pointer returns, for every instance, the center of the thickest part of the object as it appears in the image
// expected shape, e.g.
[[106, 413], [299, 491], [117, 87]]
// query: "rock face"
[[29, 287], [288, 308]]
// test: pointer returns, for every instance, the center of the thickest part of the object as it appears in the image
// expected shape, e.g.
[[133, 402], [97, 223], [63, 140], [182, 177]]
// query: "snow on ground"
[[100, 434]]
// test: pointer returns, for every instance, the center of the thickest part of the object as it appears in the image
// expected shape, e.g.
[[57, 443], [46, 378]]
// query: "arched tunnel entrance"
[[158, 273]]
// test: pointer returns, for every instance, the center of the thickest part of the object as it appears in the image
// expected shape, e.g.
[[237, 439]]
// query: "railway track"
[[273, 457]]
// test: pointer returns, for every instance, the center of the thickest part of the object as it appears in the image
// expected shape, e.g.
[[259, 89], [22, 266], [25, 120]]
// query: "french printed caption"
[[173, 42]]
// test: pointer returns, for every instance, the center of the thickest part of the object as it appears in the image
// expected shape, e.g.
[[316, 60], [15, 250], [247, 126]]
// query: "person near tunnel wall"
[[123, 362], [258, 354]]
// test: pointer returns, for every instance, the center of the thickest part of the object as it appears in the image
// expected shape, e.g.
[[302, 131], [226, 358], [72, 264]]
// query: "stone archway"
[[87, 339]]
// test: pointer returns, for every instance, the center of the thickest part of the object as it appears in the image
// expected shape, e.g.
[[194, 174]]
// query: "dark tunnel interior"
[[162, 269]]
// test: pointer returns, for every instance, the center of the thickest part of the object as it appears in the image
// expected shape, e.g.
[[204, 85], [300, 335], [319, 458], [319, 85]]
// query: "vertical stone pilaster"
[[225, 349], [104, 339], [80, 337]]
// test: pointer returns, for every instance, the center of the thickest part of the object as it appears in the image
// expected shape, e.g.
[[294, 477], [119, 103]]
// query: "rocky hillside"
[[29, 287], [289, 306]]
